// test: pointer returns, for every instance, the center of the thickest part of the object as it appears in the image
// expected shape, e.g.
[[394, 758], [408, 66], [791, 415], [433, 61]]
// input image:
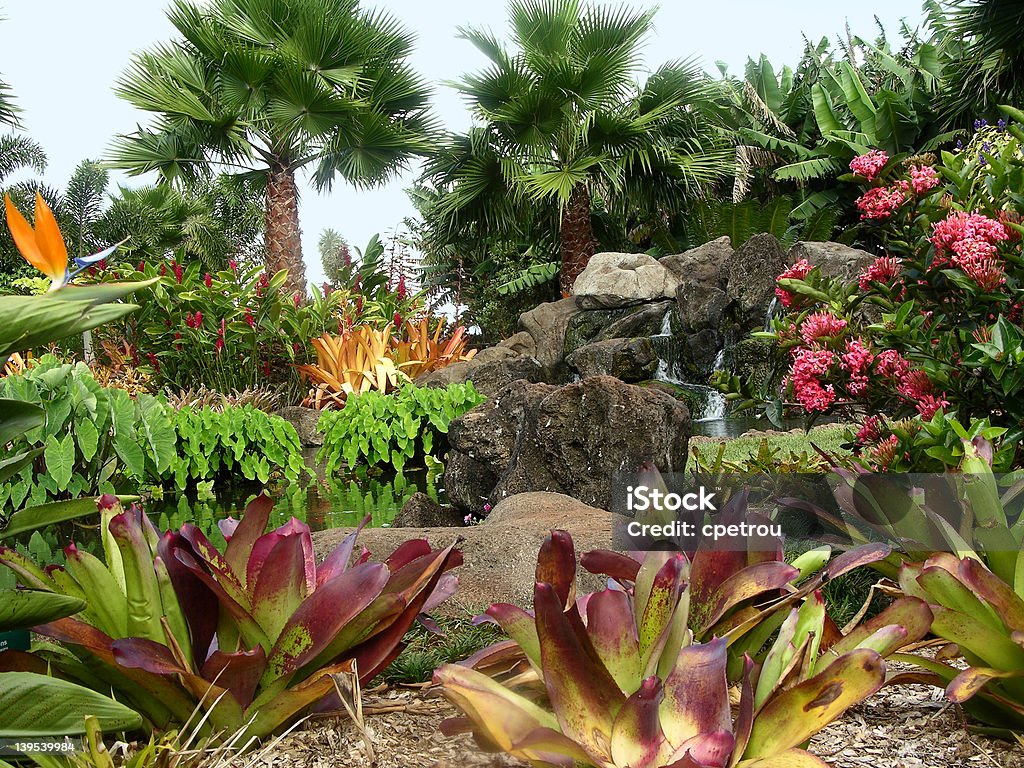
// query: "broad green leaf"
[[33, 518], [60, 460], [17, 418], [37, 706], [26, 608]]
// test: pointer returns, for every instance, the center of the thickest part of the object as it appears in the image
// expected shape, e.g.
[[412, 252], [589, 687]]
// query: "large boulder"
[[630, 360], [724, 293], [546, 324], [633, 322], [490, 370], [500, 554], [622, 280], [703, 264], [570, 439], [833, 259]]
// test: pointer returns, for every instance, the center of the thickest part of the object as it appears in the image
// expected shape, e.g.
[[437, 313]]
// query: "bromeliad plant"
[[364, 359], [616, 679], [251, 635], [981, 618], [359, 360], [423, 351], [967, 512]]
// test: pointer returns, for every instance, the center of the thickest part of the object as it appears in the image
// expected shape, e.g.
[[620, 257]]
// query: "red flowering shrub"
[[928, 337]]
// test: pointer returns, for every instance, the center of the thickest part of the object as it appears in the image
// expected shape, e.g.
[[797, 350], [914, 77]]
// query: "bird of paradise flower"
[[43, 246]]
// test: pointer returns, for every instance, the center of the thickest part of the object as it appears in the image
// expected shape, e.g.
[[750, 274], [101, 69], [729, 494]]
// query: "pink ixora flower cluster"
[[798, 271], [880, 203], [870, 165], [821, 325], [883, 270], [923, 179], [810, 367], [856, 361], [969, 241]]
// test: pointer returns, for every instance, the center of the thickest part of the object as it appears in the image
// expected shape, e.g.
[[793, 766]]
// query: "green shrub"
[[237, 440], [391, 429], [94, 440], [100, 440]]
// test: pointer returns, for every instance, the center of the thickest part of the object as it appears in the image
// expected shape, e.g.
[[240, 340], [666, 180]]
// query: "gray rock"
[[304, 420], [833, 259], [489, 373], [421, 511], [702, 264], [521, 343], [569, 439], [546, 324], [500, 553], [750, 279], [622, 280], [645, 321], [630, 360]]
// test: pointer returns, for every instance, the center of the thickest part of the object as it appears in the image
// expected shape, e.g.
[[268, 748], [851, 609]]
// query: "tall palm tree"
[[269, 87], [563, 120]]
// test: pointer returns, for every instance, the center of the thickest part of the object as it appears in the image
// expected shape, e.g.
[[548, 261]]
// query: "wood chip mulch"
[[910, 726]]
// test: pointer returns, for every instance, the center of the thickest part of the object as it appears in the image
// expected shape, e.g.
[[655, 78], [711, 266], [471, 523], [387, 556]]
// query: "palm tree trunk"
[[576, 236], [284, 237]]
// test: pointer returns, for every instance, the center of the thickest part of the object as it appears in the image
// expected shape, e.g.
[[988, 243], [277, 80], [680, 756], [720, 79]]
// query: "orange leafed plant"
[[425, 351], [16, 365], [356, 361]]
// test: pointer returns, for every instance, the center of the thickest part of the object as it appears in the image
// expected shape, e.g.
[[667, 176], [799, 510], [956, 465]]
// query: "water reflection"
[[328, 503]]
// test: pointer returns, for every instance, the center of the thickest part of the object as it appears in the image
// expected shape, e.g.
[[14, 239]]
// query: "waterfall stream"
[[710, 404]]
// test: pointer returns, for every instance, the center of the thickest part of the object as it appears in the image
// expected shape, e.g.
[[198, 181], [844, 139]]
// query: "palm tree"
[[563, 120], [269, 87], [988, 55], [212, 221]]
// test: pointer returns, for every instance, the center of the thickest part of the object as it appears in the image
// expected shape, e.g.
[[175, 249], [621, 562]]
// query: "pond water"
[[729, 427], [332, 503]]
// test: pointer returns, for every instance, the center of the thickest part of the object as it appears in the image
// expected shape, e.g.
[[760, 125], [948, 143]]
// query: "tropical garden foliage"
[[172, 320]]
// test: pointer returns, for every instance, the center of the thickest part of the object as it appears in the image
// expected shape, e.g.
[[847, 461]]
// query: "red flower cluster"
[[879, 203], [923, 178], [796, 272], [884, 270], [968, 242], [194, 321], [856, 361], [821, 325], [869, 165], [810, 366]]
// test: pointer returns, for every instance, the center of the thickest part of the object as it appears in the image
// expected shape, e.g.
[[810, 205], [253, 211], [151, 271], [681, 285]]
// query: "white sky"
[[62, 58]]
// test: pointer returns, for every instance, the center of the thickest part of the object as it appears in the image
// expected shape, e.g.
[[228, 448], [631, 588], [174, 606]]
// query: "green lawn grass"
[[828, 437]]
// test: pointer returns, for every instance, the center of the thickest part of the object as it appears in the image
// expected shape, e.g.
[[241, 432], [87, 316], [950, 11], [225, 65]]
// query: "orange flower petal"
[[50, 241], [24, 236]]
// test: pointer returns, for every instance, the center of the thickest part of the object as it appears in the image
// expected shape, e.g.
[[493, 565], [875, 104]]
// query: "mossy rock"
[[585, 326], [757, 360]]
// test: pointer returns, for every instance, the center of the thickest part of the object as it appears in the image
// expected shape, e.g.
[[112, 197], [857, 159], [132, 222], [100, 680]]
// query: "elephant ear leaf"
[[25, 608], [38, 706]]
